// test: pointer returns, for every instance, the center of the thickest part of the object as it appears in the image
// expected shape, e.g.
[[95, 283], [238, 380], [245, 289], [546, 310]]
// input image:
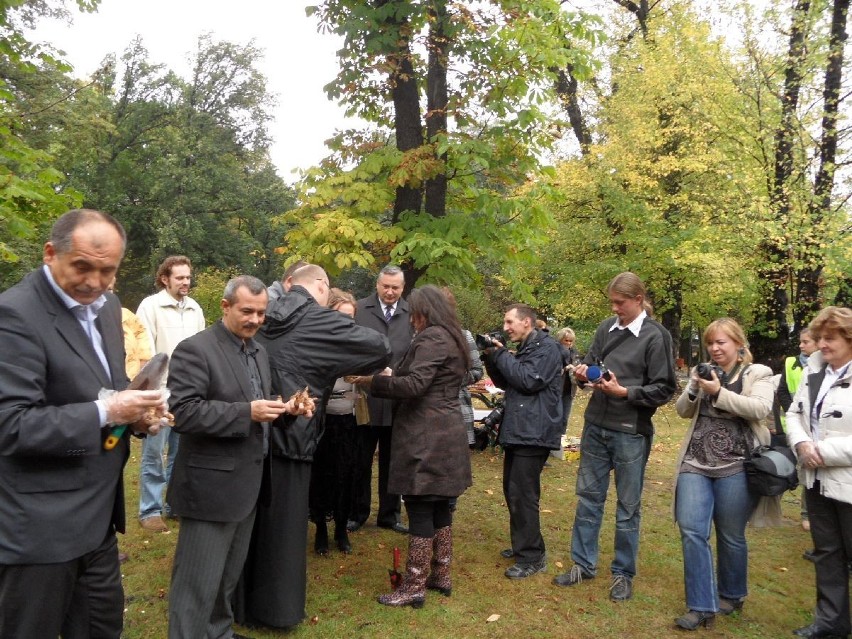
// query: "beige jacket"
[[753, 405]]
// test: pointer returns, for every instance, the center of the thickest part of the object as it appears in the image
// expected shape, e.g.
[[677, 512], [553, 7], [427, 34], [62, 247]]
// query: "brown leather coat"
[[429, 452]]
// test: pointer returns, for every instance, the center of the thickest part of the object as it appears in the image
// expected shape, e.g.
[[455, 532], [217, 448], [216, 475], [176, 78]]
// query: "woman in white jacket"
[[727, 403], [819, 430]]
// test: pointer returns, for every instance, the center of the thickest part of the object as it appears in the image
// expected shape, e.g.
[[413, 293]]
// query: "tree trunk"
[[436, 105], [769, 333], [808, 279]]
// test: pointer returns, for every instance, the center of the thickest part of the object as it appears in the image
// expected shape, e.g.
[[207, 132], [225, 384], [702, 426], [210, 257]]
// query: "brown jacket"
[[429, 452]]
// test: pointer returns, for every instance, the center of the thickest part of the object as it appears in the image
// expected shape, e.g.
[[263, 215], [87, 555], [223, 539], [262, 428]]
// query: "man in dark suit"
[[61, 491], [387, 313], [219, 382]]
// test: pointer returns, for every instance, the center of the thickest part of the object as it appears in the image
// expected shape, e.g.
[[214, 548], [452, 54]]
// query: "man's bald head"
[[314, 279]]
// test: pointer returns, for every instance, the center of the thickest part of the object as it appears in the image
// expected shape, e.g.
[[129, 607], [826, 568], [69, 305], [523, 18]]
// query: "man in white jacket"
[[169, 316]]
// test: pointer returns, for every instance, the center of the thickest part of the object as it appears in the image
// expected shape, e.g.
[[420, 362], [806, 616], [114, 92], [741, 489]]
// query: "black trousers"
[[831, 530], [522, 466], [78, 599], [389, 505], [426, 515], [333, 471]]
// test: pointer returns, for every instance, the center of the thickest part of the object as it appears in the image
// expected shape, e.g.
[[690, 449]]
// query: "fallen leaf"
[[489, 492], [547, 511], [559, 564], [493, 617], [314, 620]]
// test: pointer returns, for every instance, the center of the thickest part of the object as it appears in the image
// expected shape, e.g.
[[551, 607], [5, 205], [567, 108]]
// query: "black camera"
[[486, 340], [492, 420], [704, 371], [486, 434]]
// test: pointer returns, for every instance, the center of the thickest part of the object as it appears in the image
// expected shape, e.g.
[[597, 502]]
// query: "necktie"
[[388, 313], [86, 317]]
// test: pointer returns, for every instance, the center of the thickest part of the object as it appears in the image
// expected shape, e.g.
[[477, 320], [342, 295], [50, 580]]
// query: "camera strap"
[[614, 342]]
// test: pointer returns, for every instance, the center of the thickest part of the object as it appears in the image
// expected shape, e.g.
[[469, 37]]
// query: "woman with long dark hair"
[[429, 462]]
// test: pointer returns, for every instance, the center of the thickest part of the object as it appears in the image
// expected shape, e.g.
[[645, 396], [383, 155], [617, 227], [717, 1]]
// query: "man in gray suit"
[[387, 313], [61, 491], [219, 383]]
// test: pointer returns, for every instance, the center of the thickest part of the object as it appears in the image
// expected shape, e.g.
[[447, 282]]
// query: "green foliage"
[[666, 192], [501, 60], [31, 190]]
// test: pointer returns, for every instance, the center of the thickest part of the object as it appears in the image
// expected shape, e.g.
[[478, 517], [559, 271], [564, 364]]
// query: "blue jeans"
[[726, 503], [602, 451], [153, 475]]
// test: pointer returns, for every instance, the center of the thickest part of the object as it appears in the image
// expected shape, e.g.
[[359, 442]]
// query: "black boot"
[[321, 540], [341, 537]]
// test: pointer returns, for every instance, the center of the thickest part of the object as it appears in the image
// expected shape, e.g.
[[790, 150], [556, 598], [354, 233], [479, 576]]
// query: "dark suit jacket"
[[219, 465], [61, 493], [399, 333]]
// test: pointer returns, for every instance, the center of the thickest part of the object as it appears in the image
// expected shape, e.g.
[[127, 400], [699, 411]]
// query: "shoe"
[[695, 619], [154, 523], [815, 632], [729, 606], [806, 524], [352, 525], [809, 555], [572, 577], [239, 636], [621, 588], [396, 527], [123, 557], [522, 571], [508, 553]]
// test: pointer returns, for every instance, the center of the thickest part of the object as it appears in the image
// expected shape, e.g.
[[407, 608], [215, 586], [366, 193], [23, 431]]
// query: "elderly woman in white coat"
[[819, 430], [727, 404]]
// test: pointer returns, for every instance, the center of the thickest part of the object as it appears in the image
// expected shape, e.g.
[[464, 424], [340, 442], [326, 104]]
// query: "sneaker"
[[572, 577], [729, 606], [154, 524], [621, 588], [522, 571], [507, 553]]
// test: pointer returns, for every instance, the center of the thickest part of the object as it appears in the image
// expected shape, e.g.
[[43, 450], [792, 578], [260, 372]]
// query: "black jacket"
[[310, 345], [532, 379]]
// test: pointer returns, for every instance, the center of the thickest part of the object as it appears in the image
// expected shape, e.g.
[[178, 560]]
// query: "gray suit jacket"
[[61, 493], [219, 465], [399, 333]]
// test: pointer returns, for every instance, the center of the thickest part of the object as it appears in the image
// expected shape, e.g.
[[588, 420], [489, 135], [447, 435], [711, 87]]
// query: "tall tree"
[[457, 92]]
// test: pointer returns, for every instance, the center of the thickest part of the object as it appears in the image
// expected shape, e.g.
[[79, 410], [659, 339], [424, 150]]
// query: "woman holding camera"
[[819, 430], [429, 460], [727, 400]]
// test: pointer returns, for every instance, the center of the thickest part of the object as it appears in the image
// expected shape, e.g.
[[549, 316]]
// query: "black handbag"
[[771, 471]]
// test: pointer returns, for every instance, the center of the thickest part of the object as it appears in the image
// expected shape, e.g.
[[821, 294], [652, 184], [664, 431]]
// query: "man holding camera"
[[631, 368], [532, 426]]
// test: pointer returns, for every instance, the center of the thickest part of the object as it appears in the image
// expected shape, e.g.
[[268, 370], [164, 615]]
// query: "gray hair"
[[391, 269], [254, 286], [67, 223]]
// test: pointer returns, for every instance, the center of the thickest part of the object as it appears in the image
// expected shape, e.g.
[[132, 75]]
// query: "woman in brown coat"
[[430, 462]]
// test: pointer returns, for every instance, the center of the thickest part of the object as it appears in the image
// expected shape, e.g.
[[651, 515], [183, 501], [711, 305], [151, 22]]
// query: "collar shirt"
[[831, 377], [247, 352], [634, 327]]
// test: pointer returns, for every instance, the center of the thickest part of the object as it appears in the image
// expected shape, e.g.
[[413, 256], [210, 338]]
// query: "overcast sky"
[[298, 60]]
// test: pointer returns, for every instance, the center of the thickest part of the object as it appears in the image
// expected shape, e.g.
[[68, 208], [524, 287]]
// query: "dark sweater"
[[644, 365]]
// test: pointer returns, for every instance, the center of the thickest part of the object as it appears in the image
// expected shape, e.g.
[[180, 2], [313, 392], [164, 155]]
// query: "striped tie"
[[388, 313]]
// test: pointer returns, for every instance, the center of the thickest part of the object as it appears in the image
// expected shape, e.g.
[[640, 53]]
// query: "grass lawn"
[[342, 588]]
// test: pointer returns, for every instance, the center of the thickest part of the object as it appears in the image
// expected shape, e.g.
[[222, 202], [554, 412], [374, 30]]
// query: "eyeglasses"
[[325, 281]]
